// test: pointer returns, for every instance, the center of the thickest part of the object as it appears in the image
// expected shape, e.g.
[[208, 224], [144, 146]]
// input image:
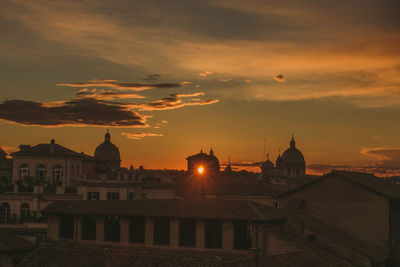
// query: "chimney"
[[52, 142], [23, 147]]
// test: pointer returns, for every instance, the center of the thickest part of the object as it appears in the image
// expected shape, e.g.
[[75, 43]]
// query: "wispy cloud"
[[107, 94], [115, 84], [171, 103], [188, 95], [139, 135], [205, 73], [152, 77]]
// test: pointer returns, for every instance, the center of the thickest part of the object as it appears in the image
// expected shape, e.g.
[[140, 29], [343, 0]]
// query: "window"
[[241, 235], [112, 229], [25, 212], [213, 234], [88, 227], [112, 196], [4, 213], [58, 175], [23, 172], [137, 229], [66, 226], [40, 172], [161, 231], [93, 195], [187, 233], [130, 196]]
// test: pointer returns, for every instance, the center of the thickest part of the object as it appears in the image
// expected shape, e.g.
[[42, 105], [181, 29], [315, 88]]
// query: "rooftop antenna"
[[265, 143]]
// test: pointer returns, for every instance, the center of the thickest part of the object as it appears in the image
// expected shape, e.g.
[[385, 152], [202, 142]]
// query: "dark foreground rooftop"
[[66, 254], [201, 208]]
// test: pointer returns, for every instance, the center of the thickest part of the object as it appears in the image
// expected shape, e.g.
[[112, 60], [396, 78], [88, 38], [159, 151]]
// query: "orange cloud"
[[139, 135]]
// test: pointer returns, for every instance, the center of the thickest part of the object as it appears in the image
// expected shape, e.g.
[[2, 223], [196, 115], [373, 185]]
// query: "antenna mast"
[[265, 143]]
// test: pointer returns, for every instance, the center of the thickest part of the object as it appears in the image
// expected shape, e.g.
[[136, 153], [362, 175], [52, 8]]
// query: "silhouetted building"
[[288, 166], [5, 165], [202, 163], [107, 156]]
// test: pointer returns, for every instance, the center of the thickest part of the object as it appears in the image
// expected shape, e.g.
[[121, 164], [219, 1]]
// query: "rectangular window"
[[130, 196], [213, 234], [241, 235], [88, 227], [112, 196], [137, 229], [66, 229], [161, 231], [112, 229], [187, 233], [93, 195]]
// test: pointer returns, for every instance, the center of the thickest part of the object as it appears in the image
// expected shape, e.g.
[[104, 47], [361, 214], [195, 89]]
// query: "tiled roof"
[[304, 258], [226, 185], [374, 253], [2, 153], [44, 150], [176, 208], [365, 180], [59, 254], [10, 242]]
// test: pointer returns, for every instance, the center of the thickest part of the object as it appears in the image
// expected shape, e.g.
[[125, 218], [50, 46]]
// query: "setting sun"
[[200, 169]]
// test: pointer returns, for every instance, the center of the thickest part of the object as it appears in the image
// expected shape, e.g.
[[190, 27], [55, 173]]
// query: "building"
[[203, 164], [289, 166], [107, 156], [49, 163], [358, 203], [45, 173], [194, 232], [5, 166]]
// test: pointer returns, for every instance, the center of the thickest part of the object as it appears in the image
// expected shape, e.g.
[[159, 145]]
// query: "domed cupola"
[[107, 155], [293, 161]]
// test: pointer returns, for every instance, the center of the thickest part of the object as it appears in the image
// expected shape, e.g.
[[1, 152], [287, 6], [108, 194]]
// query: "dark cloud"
[[77, 112], [379, 169], [152, 77], [280, 78], [115, 84], [385, 156]]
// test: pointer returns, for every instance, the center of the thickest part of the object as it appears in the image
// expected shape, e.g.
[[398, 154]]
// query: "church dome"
[[267, 165], [107, 150], [292, 157]]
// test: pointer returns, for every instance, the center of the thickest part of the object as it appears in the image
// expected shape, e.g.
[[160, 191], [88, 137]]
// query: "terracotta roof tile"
[[67, 254], [177, 208]]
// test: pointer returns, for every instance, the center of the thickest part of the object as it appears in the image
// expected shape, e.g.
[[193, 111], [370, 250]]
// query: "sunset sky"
[[169, 78]]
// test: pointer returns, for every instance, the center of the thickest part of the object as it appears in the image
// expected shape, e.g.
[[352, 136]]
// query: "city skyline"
[[175, 78]]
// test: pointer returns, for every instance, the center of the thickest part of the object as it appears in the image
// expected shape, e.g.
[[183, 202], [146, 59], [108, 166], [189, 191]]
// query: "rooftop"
[[10, 242], [67, 254], [365, 180], [176, 208], [48, 150]]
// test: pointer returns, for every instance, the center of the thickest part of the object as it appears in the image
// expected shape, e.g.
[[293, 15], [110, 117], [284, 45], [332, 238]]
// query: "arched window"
[[23, 171], [58, 175], [40, 171], [25, 211], [4, 213]]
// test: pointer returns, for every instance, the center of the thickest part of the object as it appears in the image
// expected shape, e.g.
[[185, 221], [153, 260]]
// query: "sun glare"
[[200, 169]]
